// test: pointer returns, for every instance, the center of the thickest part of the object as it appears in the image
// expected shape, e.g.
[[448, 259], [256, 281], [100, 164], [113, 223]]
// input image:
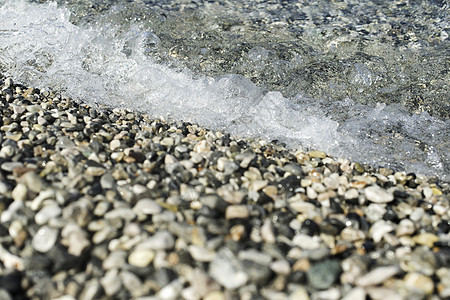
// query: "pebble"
[[377, 276], [420, 282], [236, 212], [161, 240], [44, 239], [141, 257], [111, 282], [426, 239], [227, 270], [378, 195], [323, 274]]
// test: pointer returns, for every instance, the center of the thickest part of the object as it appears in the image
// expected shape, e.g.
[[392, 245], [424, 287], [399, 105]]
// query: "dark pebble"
[[323, 274], [310, 228]]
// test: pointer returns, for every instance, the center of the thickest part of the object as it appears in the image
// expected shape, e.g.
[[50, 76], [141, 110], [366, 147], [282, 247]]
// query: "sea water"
[[364, 80]]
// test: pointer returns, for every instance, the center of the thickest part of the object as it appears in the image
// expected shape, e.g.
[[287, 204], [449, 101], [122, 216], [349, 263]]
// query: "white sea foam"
[[104, 64]]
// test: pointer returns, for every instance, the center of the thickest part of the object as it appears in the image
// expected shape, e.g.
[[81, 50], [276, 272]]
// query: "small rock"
[[357, 293], [147, 206], [227, 270], [111, 282], [161, 240], [420, 282], [45, 239], [201, 254], [376, 194], [20, 192], [317, 154], [141, 257], [426, 239], [236, 212], [377, 276], [323, 274]]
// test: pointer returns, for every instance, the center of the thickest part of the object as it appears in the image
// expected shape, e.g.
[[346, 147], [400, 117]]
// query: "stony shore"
[[110, 204]]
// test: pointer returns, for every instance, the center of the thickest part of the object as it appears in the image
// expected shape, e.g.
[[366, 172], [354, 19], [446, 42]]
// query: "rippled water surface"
[[367, 80]]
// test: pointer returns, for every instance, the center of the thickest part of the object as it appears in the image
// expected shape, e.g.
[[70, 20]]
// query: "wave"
[[108, 63]]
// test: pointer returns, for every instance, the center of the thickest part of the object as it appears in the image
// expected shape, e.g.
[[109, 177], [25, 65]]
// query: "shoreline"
[[105, 202]]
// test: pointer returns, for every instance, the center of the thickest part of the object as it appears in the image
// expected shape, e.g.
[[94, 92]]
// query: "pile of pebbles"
[[110, 204]]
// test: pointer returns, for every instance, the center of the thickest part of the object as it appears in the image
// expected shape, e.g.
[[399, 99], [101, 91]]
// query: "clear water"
[[362, 80]]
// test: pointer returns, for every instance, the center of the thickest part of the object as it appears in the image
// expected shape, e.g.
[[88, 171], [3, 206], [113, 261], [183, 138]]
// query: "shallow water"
[[360, 80]]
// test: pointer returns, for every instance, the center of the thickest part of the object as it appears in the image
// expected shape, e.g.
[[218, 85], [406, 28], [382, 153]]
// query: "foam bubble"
[[109, 64]]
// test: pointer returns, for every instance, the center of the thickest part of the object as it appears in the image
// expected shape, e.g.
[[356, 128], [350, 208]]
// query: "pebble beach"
[[101, 203]]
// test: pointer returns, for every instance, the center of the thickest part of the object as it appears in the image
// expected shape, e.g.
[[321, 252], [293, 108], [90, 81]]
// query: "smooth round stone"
[[33, 182], [141, 257], [124, 213], [420, 282], [323, 274], [20, 192], [351, 194], [115, 260], [227, 270], [294, 169], [375, 212], [45, 239], [111, 282], [46, 213], [306, 242], [147, 206], [161, 240], [357, 293], [376, 194], [95, 171], [330, 294], [405, 227], [379, 229], [201, 254], [215, 295], [352, 235], [131, 282], [107, 181], [10, 166], [267, 232], [114, 145], [281, 267]]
